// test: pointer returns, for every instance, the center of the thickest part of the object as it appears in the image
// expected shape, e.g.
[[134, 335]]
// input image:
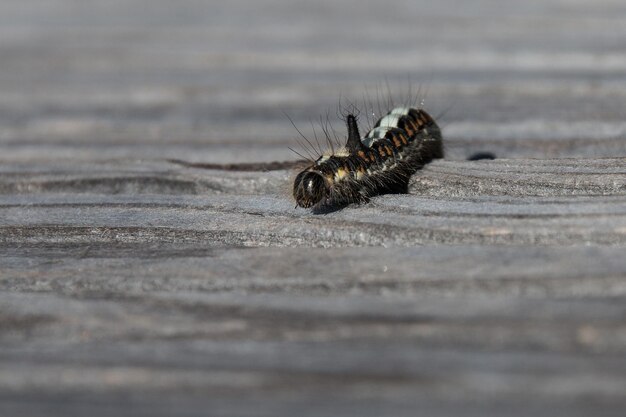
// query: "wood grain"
[[152, 262]]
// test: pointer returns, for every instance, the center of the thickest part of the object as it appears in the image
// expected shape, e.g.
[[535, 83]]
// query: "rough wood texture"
[[131, 284]]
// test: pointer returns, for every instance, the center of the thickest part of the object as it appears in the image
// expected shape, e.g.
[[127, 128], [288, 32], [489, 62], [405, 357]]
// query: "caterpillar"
[[381, 162]]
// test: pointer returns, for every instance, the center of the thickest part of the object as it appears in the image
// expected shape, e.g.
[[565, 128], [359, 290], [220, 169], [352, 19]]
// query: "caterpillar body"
[[381, 162]]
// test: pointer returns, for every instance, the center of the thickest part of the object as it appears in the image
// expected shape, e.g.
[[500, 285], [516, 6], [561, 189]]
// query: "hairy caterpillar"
[[381, 162]]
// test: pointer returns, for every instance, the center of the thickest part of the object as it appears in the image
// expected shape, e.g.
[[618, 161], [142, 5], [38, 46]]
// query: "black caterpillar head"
[[309, 189]]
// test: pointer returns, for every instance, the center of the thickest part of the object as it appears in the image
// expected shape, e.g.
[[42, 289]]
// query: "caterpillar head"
[[309, 188]]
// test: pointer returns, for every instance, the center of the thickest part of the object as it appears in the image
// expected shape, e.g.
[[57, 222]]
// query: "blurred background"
[[210, 81], [134, 286]]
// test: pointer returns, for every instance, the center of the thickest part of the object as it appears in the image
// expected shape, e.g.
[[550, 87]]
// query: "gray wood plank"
[[134, 285]]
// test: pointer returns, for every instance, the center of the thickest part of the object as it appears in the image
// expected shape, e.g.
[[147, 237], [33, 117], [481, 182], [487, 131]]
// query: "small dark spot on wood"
[[481, 155]]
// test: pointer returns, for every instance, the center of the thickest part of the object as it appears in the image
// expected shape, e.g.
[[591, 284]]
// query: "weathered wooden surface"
[[133, 285]]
